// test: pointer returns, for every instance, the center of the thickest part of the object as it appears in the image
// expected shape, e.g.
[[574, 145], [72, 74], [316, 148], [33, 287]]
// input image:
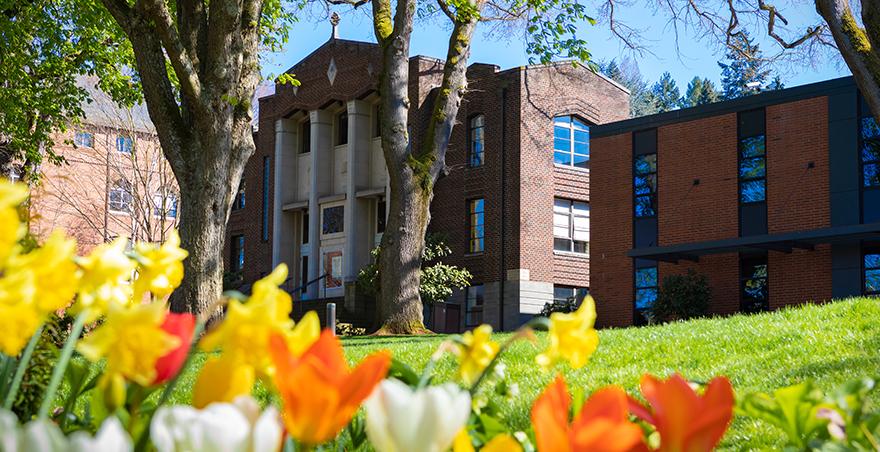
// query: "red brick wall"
[[611, 278]]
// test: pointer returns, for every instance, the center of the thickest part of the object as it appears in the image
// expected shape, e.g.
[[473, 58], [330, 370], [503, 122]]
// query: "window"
[[305, 228], [377, 121], [381, 216], [571, 226], [475, 141], [647, 288], [869, 150], [753, 283], [476, 225], [265, 228], [871, 268], [571, 142], [645, 185], [15, 173], [342, 128], [236, 253], [564, 293], [304, 273], [120, 196], [123, 144], [165, 203], [752, 174], [238, 202], [332, 221], [84, 140], [305, 143], [473, 305]]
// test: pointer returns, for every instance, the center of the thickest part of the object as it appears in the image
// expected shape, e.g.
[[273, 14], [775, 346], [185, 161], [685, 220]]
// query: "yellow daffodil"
[[572, 336], [222, 380], [19, 317], [161, 267], [106, 275], [11, 227], [500, 443], [475, 351], [54, 269], [132, 340], [243, 336]]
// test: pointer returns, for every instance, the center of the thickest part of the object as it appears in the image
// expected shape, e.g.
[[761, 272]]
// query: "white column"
[[283, 225], [357, 211], [322, 164]]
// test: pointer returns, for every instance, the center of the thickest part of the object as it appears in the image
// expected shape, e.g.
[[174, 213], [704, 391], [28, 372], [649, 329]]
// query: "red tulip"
[[685, 420], [180, 326]]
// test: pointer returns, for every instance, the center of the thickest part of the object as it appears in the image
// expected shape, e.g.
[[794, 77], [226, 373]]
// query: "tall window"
[[332, 221], [571, 226], [123, 144], [305, 143], [304, 273], [870, 163], [381, 216], [647, 288], [236, 253], [377, 121], [571, 142], [754, 294], [342, 128], [305, 228], [239, 201], [752, 173], [473, 305], [562, 293], [476, 225], [84, 140], [475, 141], [265, 228], [165, 203], [871, 268], [120, 196], [645, 185]]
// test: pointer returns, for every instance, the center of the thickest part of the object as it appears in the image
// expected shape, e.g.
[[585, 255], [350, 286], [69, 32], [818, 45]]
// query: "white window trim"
[[571, 153], [571, 227]]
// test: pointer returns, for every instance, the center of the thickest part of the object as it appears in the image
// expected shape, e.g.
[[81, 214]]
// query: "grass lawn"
[[831, 343]]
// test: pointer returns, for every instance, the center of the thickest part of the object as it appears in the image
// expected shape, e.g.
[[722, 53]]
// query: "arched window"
[[120, 196], [476, 141], [571, 142], [165, 203]]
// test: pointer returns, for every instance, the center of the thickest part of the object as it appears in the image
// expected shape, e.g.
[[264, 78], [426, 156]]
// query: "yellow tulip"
[[132, 340], [106, 274], [475, 351], [11, 227], [222, 380], [161, 267], [572, 336], [54, 268]]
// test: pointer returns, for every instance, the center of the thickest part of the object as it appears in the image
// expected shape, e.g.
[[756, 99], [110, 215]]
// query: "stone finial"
[[334, 20]]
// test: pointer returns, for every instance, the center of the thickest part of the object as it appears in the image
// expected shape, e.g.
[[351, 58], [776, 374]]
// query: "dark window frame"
[[476, 231], [381, 215], [652, 194], [865, 114], [304, 227], [742, 138], [752, 261], [342, 128], [578, 293], [236, 253], [239, 202], [867, 250], [476, 159], [267, 172], [638, 313], [305, 141], [474, 312], [341, 223]]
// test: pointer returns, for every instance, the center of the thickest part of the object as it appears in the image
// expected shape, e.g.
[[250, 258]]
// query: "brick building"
[[774, 197], [513, 204], [114, 180]]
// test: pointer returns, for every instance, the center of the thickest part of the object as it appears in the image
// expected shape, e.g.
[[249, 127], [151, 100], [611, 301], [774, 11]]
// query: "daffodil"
[[572, 336], [11, 227], [106, 275], [160, 268], [222, 379], [132, 340], [503, 442], [243, 336], [475, 351], [53, 268], [19, 316]]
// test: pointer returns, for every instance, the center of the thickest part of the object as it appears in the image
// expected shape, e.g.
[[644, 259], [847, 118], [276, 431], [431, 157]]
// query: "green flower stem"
[[7, 363], [61, 366], [22, 367]]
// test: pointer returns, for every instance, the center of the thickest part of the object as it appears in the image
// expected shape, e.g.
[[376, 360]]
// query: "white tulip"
[[219, 427], [400, 419], [110, 437], [41, 435]]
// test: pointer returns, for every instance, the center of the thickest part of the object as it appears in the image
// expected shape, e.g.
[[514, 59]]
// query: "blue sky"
[[695, 56]]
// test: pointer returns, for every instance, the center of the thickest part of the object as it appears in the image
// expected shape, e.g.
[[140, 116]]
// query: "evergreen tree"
[[776, 84], [700, 91], [744, 74], [666, 95], [641, 101]]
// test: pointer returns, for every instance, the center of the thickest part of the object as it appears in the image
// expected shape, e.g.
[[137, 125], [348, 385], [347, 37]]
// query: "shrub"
[[683, 297], [565, 306], [347, 329]]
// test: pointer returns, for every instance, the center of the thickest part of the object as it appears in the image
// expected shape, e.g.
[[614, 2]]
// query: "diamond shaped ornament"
[[331, 71]]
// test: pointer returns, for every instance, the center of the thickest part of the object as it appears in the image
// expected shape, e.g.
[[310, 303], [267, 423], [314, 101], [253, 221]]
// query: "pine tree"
[[776, 84], [699, 92], [641, 101], [666, 95], [745, 74]]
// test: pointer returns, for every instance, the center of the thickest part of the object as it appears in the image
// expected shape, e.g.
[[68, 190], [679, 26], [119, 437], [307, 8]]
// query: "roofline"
[[329, 41], [764, 99], [566, 62]]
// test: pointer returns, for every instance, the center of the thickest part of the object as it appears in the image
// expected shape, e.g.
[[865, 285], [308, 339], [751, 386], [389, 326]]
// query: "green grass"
[[831, 343]]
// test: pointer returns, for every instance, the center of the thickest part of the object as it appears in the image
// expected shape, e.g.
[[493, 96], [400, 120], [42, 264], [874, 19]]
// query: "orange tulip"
[[319, 392], [686, 421], [602, 424]]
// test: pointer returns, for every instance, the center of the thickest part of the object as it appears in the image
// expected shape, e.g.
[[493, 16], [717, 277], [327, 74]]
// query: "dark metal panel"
[[645, 142], [846, 270], [645, 232], [753, 219], [843, 157], [871, 206]]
